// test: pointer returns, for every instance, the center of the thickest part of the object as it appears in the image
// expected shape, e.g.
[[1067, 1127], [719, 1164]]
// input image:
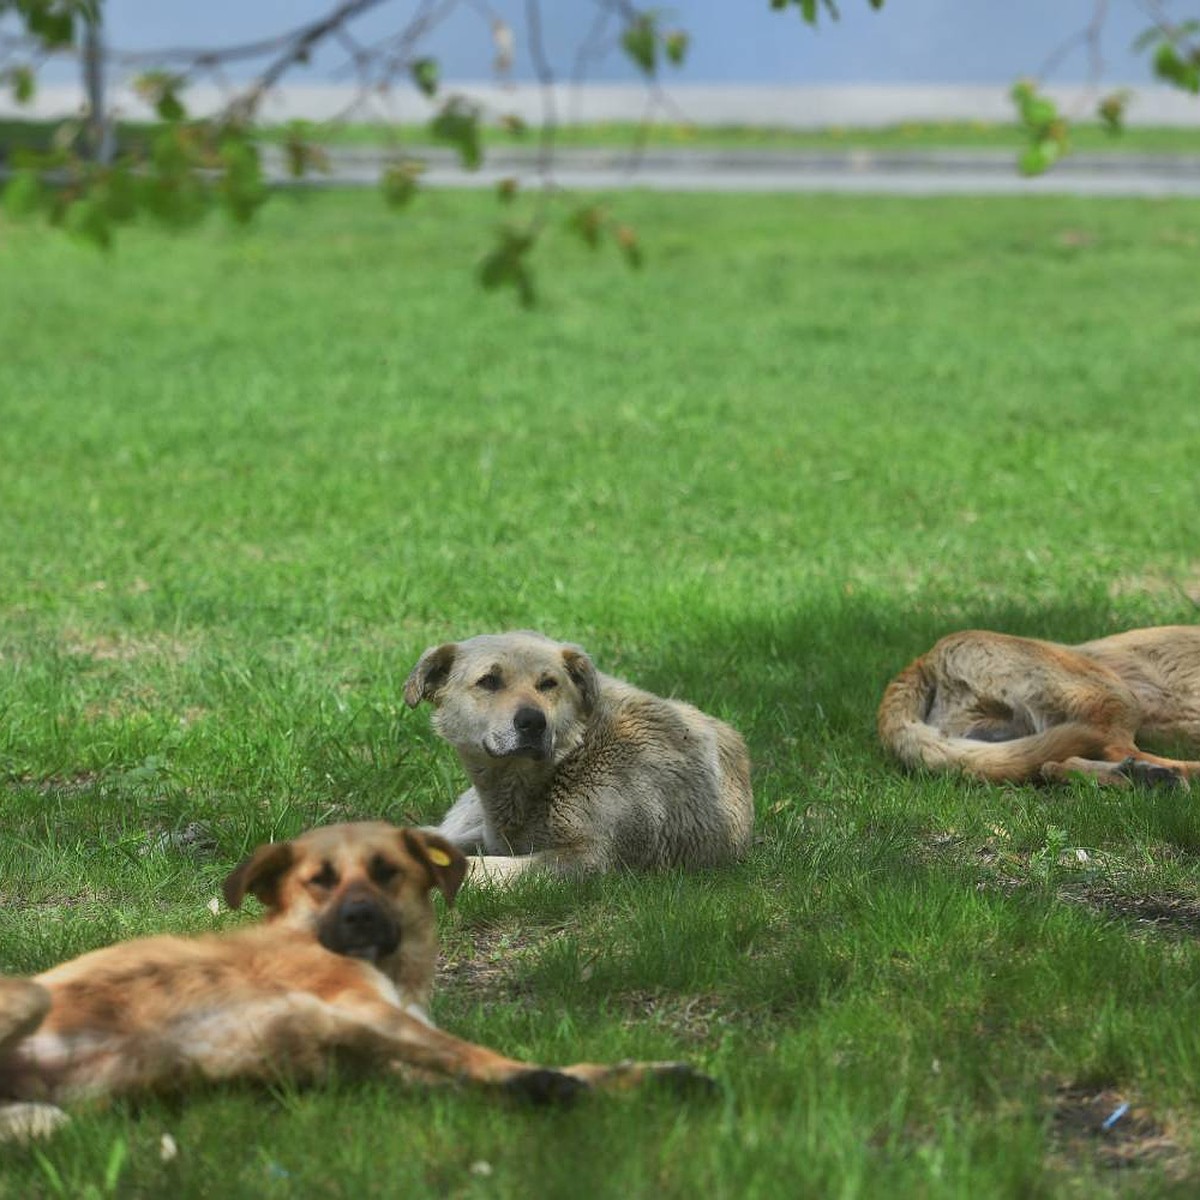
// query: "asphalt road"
[[914, 173]]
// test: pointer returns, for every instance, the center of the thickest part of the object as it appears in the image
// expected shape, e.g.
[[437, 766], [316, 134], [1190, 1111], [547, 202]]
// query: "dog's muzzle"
[[527, 737], [359, 927]]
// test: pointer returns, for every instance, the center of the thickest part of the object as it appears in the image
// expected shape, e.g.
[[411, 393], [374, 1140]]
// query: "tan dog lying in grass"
[[575, 770], [1012, 708], [339, 972]]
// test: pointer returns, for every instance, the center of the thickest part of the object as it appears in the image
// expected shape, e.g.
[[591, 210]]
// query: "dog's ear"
[[583, 674], [446, 864], [260, 875], [429, 674]]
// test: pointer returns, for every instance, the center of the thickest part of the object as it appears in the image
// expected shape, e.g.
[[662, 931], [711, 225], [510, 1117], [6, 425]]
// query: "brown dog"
[[1012, 708], [340, 971]]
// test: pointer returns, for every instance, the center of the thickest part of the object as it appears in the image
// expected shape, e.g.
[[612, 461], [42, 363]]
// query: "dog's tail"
[[905, 731]]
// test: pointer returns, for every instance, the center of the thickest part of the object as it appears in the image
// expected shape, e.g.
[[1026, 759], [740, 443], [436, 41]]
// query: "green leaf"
[[808, 10], [1146, 39], [506, 265], [303, 156], [169, 107], [425, 75], [86, 219], [399, 183], [241, 188], [116, 191], [458, 124], [171, 189], [675, 44], [1031, 162], [160, 89], [23, 83], [1039, 111], [1171, 66], [588, 222], [52, 24], [631, 248], [1111, 111], [640, 43], [23, 193], [1046, 130]]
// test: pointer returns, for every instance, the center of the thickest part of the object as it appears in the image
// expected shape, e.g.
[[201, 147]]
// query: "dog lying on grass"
[[340, 972], [575, 770], [1012, 708]]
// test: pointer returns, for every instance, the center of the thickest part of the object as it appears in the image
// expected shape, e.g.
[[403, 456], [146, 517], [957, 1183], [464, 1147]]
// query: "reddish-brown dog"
[[1001, 707], [339, 972]]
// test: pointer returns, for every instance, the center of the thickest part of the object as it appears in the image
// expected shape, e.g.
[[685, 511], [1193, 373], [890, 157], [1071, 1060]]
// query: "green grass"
[[249, 476], [1086, 136], [913, 135]]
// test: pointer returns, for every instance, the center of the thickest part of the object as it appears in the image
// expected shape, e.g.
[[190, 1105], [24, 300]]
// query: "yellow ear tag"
[[439, 858]]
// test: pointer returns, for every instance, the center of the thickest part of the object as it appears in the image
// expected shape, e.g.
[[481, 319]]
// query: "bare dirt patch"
[[699, 1019], [61, 785], [1186, 585], [120, 648], [1162, 913], [1105, 1128], [489, 960]]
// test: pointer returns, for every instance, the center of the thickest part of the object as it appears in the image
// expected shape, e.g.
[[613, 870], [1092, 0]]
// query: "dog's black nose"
[[360, 918], [530, 720], [359, 926]]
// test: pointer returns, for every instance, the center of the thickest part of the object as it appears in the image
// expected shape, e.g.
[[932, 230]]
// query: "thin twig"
[[545, 75]]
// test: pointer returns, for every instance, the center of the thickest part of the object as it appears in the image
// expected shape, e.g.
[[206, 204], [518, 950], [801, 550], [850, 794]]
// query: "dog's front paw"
[[545, 1086]]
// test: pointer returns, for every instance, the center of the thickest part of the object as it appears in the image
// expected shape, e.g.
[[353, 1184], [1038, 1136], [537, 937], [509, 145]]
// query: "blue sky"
[[733, 41]]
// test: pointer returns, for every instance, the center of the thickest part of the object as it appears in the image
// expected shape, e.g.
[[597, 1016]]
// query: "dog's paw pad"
[[542, 1085]]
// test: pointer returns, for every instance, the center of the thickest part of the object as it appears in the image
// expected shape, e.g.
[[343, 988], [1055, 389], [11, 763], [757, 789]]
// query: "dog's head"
[[507, 695], [362, 889]]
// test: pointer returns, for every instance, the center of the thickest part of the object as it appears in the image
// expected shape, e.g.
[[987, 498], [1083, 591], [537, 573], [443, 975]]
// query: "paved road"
[[915, 173]]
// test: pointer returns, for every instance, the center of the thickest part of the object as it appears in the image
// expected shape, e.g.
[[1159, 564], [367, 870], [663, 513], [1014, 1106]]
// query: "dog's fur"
[[340, 972], [1011, 708], [575, 770]]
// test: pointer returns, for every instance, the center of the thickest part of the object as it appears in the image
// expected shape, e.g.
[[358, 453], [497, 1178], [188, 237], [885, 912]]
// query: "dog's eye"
[[382, 871], [326, 877], [491, 682], [547, 685]]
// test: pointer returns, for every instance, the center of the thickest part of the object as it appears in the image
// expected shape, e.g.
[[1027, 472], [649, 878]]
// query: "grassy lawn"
[[1088, 137], [249, 476], [914, 135]]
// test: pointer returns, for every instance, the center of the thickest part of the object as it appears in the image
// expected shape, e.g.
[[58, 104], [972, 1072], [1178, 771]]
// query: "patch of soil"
[[1105, 1128], [492, 962], [122, 648], [61, 785], [691, 1018], [1173, 914]]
